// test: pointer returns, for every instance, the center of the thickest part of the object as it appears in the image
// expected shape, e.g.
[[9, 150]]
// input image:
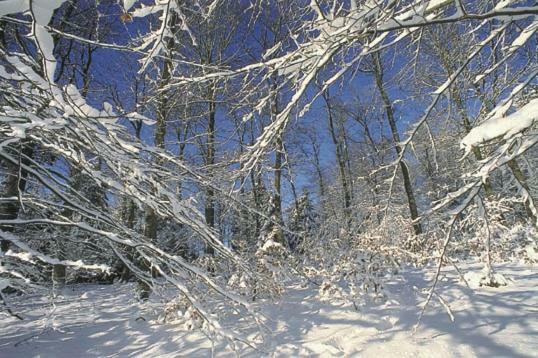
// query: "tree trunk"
[[279, 152], [15, 184], [341, 161], [151, 218], [413, 210], [210, 161], [58, 274], [530, 209]]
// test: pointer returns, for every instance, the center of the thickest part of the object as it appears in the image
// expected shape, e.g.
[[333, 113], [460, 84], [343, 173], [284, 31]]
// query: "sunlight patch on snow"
[[102, 321]]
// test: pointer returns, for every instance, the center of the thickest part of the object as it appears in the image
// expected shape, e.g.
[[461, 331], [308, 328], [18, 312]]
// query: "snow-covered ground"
[[101, 321]]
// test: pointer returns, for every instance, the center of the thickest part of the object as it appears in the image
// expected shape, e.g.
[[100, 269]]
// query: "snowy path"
[[100, 321]]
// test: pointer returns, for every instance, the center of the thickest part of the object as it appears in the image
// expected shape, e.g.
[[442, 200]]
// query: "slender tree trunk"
[[319, 172], [467, 125], [413, 210], [279, 149], [448, 64], [129, 217], [16, 176], [522, 180], [14, 185], [151, 219], [210, 161], [279, 152], [257, 187], [59, 271], [340, 159], [512, 165]]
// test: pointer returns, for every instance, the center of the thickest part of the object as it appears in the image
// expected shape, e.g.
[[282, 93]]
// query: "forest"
[[268, 178]]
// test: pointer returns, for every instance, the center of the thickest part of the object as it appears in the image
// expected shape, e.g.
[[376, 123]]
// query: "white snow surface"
[[101, 321]]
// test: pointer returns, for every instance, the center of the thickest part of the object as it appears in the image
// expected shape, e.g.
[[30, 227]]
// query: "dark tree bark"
[[522, 180], [340, 158], [14, 185], [389, 111], [151, 219]]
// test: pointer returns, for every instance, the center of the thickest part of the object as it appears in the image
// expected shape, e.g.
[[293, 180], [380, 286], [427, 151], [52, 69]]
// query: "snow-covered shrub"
[[352, 268], [242, 284], [357, 280], [352, 264], [519, 242], [180, 310], [485, 278], [272, 265], [495, 225]]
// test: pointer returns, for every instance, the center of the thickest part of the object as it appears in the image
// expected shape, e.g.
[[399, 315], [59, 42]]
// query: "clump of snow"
[[181, 311], [41, 11], [532, 253], [505, 127], [271, 245], [128, 4], [241, 283], [484, 278], [4, 283]]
